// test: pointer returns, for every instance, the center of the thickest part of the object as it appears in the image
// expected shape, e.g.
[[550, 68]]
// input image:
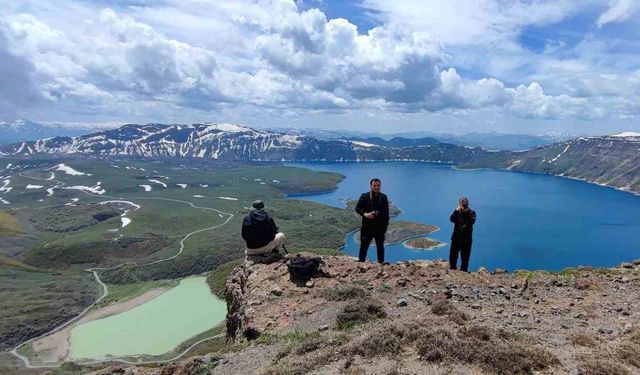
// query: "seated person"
[[261, 232]]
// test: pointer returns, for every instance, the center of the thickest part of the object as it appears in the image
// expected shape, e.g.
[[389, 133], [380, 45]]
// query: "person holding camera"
[[373, 206], [463, 219]]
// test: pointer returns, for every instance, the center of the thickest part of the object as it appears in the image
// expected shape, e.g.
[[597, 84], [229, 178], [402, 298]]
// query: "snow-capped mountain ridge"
[[627, 135], [233, 142], [197, 140]]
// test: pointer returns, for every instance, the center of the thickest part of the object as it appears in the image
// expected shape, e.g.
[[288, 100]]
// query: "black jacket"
[[463, 225], [258, 229], [369, 202]]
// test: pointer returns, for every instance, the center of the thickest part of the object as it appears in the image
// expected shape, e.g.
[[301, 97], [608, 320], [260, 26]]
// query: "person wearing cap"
[[463, 219], [260, 232]]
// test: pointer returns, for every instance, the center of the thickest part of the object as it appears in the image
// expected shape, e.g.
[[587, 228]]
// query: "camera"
[[375, 213]]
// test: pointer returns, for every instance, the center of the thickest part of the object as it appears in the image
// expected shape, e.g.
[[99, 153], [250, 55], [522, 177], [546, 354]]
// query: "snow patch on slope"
[[626, 134], [68, 170], [158, 182], [560, 154], [96, 189]]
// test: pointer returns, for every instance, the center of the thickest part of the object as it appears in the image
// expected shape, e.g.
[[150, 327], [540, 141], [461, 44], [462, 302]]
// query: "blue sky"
[[452, 66]]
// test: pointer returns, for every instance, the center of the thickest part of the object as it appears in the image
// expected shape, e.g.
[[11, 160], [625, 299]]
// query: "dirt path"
[[105, 288]]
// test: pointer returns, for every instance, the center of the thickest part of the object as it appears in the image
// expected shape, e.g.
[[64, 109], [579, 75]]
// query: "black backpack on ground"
[[303, 267]]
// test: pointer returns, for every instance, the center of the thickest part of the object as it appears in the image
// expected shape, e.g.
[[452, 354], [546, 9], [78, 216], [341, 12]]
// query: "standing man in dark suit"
[[373, 206], [463, 219]]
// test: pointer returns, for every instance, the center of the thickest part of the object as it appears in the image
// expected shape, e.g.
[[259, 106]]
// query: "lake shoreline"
[[55, 348], [507, 209], [456, 167]]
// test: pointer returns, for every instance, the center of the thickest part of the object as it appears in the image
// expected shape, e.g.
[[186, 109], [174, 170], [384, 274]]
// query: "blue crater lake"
[[525, 221]]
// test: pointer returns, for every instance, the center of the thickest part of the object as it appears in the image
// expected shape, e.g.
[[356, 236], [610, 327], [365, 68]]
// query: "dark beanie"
[[258, 205]]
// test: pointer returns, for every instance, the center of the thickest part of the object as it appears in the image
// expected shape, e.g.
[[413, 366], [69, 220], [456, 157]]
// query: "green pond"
[[153, 328]]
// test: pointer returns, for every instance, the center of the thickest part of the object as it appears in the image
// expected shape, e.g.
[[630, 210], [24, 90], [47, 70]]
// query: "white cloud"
[[619, 10], [526, 101], [159, 60]]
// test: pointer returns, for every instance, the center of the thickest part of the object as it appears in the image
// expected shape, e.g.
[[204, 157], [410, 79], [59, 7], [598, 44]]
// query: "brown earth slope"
[[421, 318]]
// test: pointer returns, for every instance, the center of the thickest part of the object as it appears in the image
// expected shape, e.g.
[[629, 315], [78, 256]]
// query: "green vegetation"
[[42, 270], [72, 218], [94, 252], [423, 243], [218, 277], [34, 302], [9, 224], [16, 264], [300, 181]]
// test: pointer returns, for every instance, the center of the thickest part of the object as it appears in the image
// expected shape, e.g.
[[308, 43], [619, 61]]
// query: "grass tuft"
[[446, 308], [601, 366], [359, 311], [495, 355], [583, 339]]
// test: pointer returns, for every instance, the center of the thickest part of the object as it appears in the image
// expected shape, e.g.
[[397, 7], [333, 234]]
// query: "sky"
[[451, 66]]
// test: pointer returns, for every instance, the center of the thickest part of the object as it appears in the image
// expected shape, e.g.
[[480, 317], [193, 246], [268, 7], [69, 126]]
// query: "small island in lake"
[[422, 243], [400, 231]]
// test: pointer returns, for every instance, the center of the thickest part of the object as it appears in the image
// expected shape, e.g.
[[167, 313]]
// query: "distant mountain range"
[[233, 142], [489, 141], [607, 160], [498, 141], [25, 130]]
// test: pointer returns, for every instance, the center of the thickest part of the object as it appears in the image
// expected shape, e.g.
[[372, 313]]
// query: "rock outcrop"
[[235, 294], [422, 318]]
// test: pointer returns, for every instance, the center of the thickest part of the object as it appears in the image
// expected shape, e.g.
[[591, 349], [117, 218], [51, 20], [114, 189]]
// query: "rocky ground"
[[421, 318]]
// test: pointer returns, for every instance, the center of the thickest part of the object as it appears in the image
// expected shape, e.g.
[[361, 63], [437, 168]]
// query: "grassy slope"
[[308, 226], [9, 225], [36, 300]]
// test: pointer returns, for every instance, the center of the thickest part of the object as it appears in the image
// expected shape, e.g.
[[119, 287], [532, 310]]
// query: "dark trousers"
[[464, 249], [365, 241]]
